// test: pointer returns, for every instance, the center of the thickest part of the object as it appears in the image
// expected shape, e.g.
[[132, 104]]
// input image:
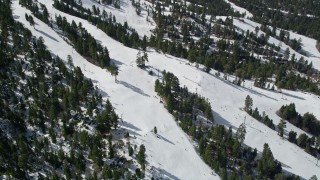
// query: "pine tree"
[[267, 165], [155, 130], [141, 156], [139, 59], [142, 58], [31, 21], [224, 174], [241, 133], [302, 140], [202, 146], [281, 127], [70, 60], [114, 71], [248, 104], [292, 137], [236, 148], [287, 54], [314, 177], [130, 150]]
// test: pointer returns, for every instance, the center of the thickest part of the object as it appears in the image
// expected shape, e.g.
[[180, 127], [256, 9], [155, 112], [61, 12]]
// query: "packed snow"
[[171, 154]]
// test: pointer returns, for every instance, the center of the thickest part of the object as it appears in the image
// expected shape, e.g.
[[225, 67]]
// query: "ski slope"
[[172, 154]]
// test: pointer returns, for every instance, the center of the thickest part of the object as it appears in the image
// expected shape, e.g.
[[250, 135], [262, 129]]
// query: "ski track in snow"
[[135, 100]]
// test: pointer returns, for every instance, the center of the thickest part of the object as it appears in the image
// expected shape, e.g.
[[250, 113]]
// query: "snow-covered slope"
[[308, 44], [133, 96]]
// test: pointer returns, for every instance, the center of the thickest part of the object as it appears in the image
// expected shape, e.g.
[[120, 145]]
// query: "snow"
[[240, 9], [134, 98], [128, 14]]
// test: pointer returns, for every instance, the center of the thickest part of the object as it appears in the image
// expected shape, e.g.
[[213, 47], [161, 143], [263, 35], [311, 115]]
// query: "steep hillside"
[[216, 62], [54, 122]]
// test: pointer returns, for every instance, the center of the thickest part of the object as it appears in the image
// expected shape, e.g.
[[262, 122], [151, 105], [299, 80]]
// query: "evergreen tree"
[[248, 104], [241, 133], [114, 71], [267, 165], [155, 130], [314, 177], [142, 58], [141, 156], [302, 140], [281, 126], [130, 150], [31, 21], [292, 136]]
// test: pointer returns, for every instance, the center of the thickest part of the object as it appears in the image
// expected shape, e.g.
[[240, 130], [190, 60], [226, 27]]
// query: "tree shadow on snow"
[[102, 92], [129, 125], [160, 173], [257, 93], [116, 62], [134, 88], [47, 35], [293, 96], [241, 88], [218, 119], [165, 139], [130, 128]]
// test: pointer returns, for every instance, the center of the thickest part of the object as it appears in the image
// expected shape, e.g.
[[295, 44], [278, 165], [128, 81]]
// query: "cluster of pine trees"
[[302, 17], [307, 122], [256, 114], [78, 36], [39, 12], [104, 21], [84, 43], [310, 145], [180, 101], [283, 36]]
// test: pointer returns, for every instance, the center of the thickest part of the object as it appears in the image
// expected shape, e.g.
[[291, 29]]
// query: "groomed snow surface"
[[172, 154]]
